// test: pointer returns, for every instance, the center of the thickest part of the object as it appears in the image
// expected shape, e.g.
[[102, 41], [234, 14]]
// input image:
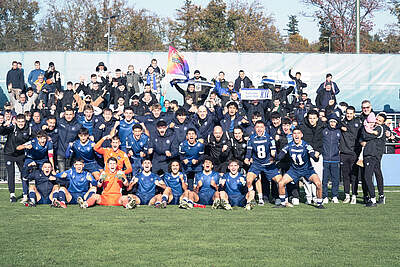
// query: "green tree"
[[292, 26], [252, 29], [17, 24]]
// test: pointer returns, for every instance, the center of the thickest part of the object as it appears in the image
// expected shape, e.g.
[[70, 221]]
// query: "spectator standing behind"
[[132, 81], [15, 77], [154, 79], [21, 105], [330, 152], [335, 88], [242, 81], [51, 72], [312, 134], [155, 67], [35, 73], [299, 83], [324, 96]]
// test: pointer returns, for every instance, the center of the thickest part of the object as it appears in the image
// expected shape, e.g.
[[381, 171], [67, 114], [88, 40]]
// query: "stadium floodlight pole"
[[329, 42], [109, 28], [358, 26]]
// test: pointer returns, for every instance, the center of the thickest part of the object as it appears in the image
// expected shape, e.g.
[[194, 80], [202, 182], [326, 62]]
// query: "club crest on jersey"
[[356, 125], [73, 129], [119, 157], [168, 141]]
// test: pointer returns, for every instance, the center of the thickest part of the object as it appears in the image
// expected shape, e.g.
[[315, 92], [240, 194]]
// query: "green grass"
[[341, 235]]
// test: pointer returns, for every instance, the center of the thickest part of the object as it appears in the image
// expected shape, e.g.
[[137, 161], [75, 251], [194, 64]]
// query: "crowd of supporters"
[[117, 140]]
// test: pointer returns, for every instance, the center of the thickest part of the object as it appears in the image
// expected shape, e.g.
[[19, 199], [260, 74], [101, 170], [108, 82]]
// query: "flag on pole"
[[176, 63]]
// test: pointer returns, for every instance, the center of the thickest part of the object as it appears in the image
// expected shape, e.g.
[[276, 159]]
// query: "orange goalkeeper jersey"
[[121, 156], [112, 188]]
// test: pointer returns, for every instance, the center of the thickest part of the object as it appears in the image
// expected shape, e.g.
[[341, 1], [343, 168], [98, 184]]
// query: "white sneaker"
[[346, 200], [314, 199], [335, 200], [309, 201], [295, 201], [353, 200], [261, 202], [24, 199], [325, 201]]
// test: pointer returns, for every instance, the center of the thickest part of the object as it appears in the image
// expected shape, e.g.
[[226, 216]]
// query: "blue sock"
[[89, 195], [32, 196], [55, 195], [61, 196], [164, 198], [158, 202], [190, 201]]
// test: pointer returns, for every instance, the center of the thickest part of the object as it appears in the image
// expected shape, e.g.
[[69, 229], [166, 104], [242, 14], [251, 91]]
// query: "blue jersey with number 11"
[[299, 155], [259, 149]]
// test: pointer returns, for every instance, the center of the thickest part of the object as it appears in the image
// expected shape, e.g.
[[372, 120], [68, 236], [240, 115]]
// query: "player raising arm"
[[300, 166]]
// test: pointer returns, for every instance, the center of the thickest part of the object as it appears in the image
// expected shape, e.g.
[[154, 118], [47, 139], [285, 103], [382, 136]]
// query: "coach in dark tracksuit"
[[372, 155], [163, 147], [67, 132], [349, 150], [17, 135]]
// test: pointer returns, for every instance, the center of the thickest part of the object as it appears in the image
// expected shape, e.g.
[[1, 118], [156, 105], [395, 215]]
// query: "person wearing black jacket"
[[218, 147], [15, 77], [238, 147], [312, 134], [299, 83], [17, 135], [349, 149], [371, 158], [380, 146], [242, 81]]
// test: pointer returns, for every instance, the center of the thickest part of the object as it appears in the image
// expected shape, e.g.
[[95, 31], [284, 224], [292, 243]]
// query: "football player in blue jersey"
[[76, 184], [191, 154], [260, 153], [233, 190], [206, 185], [124, 127], [37, 152], [83, 149], [147, 183], [137, 145], [87, 119], [43, 191], [176, 183], [300, 166]]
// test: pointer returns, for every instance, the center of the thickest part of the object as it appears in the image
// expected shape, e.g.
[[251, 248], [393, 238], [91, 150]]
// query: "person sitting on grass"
[[37, 151], [175, 182], [76, 184], [206, 185], [43, 191], [112, 180], [146, 186], [232, 188]]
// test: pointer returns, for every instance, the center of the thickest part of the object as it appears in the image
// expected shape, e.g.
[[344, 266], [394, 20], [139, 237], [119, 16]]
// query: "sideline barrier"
[[391, 169]]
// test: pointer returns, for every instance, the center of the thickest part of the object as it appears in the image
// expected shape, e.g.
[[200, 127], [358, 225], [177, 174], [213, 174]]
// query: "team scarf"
[[154, 80], [187, 82], [280, 82]]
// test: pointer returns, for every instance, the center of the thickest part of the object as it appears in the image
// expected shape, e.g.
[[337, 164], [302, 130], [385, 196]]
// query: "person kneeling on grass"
[[206, 186], [176, 184], [300, 166], [233, 189], [147, 182], [112, 180], [43, 191], [76, 184]]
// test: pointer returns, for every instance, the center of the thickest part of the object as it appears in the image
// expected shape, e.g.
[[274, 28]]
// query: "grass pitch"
[[341, 235]]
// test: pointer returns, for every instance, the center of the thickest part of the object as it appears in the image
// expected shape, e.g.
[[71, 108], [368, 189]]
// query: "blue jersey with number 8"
[[259, 149]]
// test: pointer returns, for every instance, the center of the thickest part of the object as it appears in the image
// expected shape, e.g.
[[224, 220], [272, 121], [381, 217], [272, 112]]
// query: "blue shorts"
[[206, 198], [74, 199], [297, 174], [270, 170], [92, 167], [237, 200], [175, 200], [44, 200], [145, 198]]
